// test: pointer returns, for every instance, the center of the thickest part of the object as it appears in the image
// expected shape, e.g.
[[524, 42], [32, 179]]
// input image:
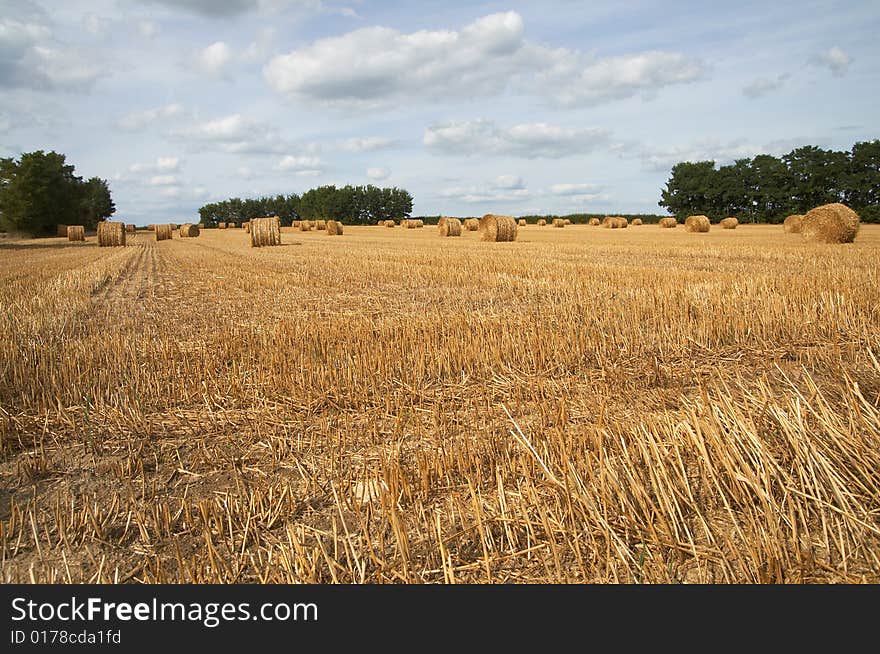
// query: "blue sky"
[[519, 108]]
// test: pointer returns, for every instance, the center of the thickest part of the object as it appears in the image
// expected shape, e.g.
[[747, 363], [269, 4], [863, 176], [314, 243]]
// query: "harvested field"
[[726, 433]]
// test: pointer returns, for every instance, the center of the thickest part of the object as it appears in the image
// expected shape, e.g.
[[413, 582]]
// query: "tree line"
[[353, 205], [40, 191], [767, 188]]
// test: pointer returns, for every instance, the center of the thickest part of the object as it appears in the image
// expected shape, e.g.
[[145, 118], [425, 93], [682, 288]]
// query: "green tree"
[[97, 202], [39, 192]]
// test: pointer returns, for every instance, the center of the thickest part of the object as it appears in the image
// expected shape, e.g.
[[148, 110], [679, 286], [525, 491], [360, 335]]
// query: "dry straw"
[[449, 227], [729, 223], [304, 226], [130, 229], [830, 223], [189, 230], [636, 222], [111, 234], [472, 224], [521, 222], [413, 224], [595, 222], [558, 223], [697, 224], [793, 223], [620, 222], [542, 222], [321, 224], [404, 223], [164, 232], [221, 225], [668, 222], [151, 228], [498, 228], [246, 227], [389, 223], [567, 221], [76, 233], [334, 228], [265, 232]]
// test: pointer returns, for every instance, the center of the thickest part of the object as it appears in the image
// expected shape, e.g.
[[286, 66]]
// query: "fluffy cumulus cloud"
[[378, 174], [303, 166], [213, 59], [30, 56], [162, 164], [764, 85], [588, 190], [377, 65], [508, 182], [835, 60], [529, 140], [140, 119], [487, 192], [234, 134], [228, 8]]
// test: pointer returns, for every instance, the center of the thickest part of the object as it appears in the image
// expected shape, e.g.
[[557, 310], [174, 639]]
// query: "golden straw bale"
[[472, 224], [498, 228], [111, 234], [76, 233], [246, 227], [542, 222], [697, 223], [164, 232], [265, 231], [558, 222], [151, 228], [620, 222], [567, 221], [793, 223], [521, 222], [449, 227], [830, 223], [188, 230], [636, 222], [130, 229], [404, 223], [334, 228], [304, 226], [221, 225], [390, 223], [321, 224], [595, 222], [668, 223], [729, 223]]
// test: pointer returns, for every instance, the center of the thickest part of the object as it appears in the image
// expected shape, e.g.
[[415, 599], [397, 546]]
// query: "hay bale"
[[830, 223], [151, 228], [380, 223], [793, 223], [449, 227], [729, 223], [620, 222], [668, 222], [472, 224], [221, 225], [266, 231], [521, 222], [413, 224], [404, 223], [164, 232], [62, 230], [595, 222], [334, 228], [559, 223], [390, 223], [610, 222], [636, 222], [76, 233], [321, 224], [175, 226], [697, 224], [130, 229], [189, 230], [567, 221], [419, 223], [497, 228], [111, 234], [304, 226], [542, 222], [246, 227]]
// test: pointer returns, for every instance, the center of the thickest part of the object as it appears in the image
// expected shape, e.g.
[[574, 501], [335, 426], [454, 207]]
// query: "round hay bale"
[[130, 229], [164, 232], [697, 224], [221, 225], [620, 222], [521, 222], [420, 224], [390, 223], [295, 224], [558, 223], [151, 228], [321, 224], [449, 227], [265, 232], [189, 230], [498, 228], [668, 222], [111, 234], [636, 222], [542, 222], [304, 226], [62, 230], [404, 223], [411, 223], [729, 223], [334, 228], [830, 223], [793, 224], [246, 227], [76, 233], [610, 222], [567, 221], [472, 224], [595, 222]]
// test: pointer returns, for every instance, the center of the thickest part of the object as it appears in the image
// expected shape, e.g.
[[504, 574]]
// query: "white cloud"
[[233, 134], [364, 144], [95, 25], [147, 29], [161, 165], [763, 85], [659, 159], [163, 180], [484, 193], [228, 8], [835, 59], [508, 182], [531, 140], [374, 66], [262, 46], [592, 190], [245, 172], [141, 119], [378, 174], [213, 59]]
